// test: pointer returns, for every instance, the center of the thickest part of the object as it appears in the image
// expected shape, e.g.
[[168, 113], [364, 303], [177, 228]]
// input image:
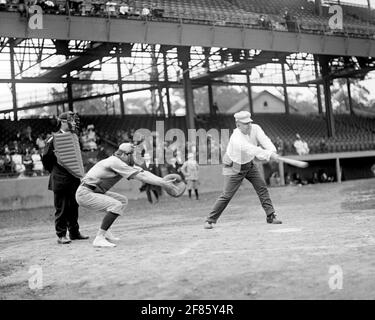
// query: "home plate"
[[286, 230]]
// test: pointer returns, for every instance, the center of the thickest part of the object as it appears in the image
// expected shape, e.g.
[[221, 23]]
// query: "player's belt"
[[247, 165], [89, 186]]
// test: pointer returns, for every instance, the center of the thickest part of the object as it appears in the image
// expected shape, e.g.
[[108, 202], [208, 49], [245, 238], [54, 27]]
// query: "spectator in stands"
[[28, 138], [2, 164], [301, 146], [156, 11], [74, 6], [28, 163], [19, 167], [287, 178], [315, 177], [264, 22], [38, 169], [190, 169], [290, 21], [124, 9], [83, 139], [275, 179], [296, 178], [3, 5], [18, 136], [49, 7], [150, 188], [40, 143], [174, 167], [279, 144], [6, 149], [15, 148], [8, 163], [111, 8], [145, 13], [323, 145], [86, 8], [22, 8], [91, 138], [215, 109]]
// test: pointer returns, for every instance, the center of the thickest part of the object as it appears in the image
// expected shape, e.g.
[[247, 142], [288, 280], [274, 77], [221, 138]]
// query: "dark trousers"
[[66, 215], [149, 195], [250, 172]]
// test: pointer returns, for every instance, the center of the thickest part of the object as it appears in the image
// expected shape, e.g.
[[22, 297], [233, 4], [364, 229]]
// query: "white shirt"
[[243, 148], [301, 147]]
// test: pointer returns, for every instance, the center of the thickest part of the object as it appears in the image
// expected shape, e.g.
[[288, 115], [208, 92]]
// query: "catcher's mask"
[[71, 118]]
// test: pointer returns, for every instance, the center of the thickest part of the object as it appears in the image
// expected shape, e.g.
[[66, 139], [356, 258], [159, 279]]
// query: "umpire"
[[64, 186]]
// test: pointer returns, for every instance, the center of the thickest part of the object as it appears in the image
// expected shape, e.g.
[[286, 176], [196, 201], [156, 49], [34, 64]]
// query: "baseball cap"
[[126, 147], [66, 115], [243, 116]]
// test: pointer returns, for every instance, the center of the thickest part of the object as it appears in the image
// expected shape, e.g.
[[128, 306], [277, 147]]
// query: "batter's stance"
[[238, 164], [94, 194]]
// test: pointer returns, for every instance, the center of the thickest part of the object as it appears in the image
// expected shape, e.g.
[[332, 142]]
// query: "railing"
[[211, 16]]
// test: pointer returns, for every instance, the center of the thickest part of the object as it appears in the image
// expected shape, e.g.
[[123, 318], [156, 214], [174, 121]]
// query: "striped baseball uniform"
[[94, 194]]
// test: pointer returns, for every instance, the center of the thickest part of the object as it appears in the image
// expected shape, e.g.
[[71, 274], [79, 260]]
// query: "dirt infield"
[[165, 253]]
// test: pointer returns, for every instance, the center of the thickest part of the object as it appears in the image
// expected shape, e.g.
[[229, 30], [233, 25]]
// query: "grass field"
[[325, 249]]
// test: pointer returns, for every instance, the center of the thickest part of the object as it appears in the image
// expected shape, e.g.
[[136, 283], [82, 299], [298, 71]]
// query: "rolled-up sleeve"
[[125, 170], [259, 152]]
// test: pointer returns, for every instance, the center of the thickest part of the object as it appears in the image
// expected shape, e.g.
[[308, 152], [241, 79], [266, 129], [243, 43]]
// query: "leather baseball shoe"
[[102, 242], [272, 219], [110, 237], [208, 225], [78, 236], [63, 240]]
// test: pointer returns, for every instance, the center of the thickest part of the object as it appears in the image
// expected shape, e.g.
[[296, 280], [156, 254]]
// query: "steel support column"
[[13, 83], [69, 88], [318, 90], [327, 96], [350, 97], [285, 88], [210, 99], [169, 108], [119, 77], [184, 57], [250, 92]]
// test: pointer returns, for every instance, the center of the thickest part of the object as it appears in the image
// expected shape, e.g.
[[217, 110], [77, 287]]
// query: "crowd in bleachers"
[[21, 154], [98, 8], [287, 15], [22, 144]]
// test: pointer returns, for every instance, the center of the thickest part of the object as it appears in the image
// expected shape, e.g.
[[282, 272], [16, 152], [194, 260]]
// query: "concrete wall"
[[30, 193]]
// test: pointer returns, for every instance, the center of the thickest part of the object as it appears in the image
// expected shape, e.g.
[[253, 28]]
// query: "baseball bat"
[[295, 163]]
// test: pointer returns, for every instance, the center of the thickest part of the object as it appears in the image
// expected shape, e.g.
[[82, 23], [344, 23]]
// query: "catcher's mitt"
[[179, 185]]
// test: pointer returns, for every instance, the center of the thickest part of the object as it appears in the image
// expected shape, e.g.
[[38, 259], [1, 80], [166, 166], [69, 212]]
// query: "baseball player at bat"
[[238, 163], [93, 192]]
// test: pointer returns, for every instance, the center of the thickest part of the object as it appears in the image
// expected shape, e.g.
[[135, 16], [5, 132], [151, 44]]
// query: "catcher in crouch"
[[93, 192]]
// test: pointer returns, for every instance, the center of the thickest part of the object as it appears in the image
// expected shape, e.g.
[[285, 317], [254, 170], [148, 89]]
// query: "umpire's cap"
[[66, 115]]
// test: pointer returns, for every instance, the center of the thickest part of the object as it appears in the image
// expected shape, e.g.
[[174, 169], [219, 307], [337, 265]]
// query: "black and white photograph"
[[199, 151]]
